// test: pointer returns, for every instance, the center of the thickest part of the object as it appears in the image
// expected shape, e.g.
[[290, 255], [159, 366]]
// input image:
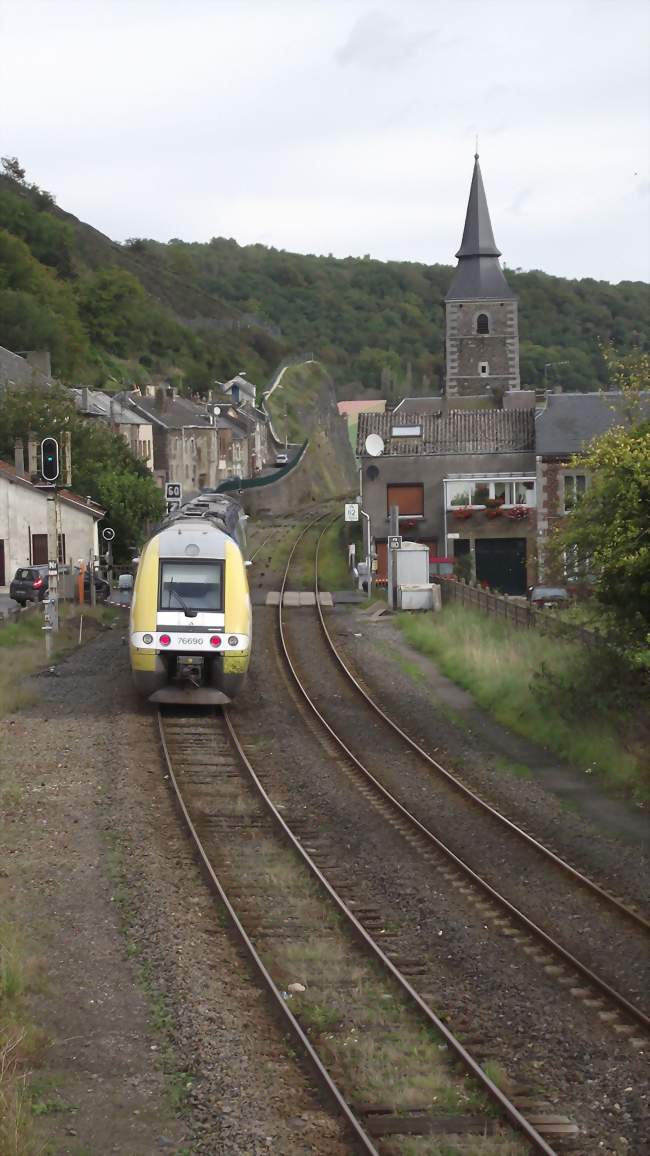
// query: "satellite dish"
[[216, 409], [374, 445]]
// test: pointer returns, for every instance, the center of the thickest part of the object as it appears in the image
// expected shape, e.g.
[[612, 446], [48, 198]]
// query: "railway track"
[[249, 851], [600, 993]]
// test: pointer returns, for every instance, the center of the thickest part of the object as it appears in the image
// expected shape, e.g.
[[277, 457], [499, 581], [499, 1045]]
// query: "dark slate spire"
[[479, 276]]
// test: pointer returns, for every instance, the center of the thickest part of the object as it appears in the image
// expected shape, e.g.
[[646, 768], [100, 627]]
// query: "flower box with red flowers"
[[517, 513], [462, 512]]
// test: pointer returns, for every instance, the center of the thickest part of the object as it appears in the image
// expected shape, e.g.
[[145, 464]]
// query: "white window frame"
[[484, 372], [456, 486], [572, 477], [406, 431]]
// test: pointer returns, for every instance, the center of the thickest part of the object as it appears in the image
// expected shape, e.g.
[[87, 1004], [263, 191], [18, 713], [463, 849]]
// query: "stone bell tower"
[[482, 337]]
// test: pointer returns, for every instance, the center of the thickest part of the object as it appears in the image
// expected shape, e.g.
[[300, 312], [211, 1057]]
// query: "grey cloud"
[[378, 40]]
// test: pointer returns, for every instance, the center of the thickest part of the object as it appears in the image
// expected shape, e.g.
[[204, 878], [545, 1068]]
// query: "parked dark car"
[[29, 584], [546, 597]]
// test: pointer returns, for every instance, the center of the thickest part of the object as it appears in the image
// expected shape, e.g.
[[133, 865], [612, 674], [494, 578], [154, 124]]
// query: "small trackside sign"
[[395, 542], [173, 491], [352, 511]]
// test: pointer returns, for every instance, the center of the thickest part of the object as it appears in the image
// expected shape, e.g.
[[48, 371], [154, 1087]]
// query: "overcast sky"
[[341, 126]]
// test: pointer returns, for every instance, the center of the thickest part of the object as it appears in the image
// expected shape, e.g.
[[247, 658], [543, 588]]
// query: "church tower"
[[482, 337]]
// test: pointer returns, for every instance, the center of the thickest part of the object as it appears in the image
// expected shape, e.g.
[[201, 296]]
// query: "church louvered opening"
[[482, 323]]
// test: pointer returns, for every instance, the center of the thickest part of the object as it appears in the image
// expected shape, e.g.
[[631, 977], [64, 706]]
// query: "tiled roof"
[[457, 432], [9, 472]]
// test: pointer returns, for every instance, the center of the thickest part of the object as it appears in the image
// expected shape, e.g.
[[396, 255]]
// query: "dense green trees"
[[371, 320], [145, 308], [66, 289]]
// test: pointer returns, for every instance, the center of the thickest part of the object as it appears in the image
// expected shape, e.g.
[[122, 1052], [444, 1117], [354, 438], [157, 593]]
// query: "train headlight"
[[215, 640], [233, 640], [147, 639], [164, 640]]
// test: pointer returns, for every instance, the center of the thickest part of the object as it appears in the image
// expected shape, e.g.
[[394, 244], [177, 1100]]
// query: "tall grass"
[[21, 1046], [499, 664], [333, 571]]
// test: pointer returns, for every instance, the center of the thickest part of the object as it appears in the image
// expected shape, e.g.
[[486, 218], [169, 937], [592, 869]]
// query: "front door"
[[501, 563]]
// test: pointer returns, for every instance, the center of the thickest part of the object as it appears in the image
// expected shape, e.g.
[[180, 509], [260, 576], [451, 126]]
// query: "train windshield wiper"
[[189, 613]]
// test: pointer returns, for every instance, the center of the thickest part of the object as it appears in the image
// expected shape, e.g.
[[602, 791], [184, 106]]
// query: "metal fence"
[[520, 614]]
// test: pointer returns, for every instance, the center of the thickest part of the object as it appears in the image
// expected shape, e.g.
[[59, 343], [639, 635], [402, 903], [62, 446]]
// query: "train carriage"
[[191, 622]]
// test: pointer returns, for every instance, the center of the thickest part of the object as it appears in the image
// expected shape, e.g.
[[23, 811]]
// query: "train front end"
[[191, 623]]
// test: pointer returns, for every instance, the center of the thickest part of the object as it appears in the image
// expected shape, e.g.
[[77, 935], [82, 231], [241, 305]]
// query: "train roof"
[[220, 510]]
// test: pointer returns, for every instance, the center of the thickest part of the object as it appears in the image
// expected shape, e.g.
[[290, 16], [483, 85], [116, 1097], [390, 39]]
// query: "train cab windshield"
[[191, 585]]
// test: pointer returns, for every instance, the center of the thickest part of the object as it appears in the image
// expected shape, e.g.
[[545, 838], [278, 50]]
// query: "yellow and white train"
[[191, 622]]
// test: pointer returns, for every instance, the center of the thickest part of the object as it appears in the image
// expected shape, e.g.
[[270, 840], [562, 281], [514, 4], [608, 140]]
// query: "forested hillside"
[[381, 324], [194, 312], [108, 315]]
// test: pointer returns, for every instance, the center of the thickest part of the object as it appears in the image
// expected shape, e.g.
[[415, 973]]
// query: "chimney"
[[32, 457], [160, 400], [19, 458], [85, 399]]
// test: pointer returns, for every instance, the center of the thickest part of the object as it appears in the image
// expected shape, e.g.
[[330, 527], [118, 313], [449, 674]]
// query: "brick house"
[[564, 427]]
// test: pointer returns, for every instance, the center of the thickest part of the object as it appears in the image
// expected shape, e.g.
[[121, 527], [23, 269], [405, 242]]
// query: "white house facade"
[[23, 525]]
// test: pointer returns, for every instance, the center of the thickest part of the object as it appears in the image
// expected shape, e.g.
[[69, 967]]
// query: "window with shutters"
[[482, 323], [408, 497], [39, 550]]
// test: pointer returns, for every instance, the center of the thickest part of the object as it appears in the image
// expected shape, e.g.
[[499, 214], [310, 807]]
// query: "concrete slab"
[[349, 596], [292, 598], [273, 598], [325, 598]]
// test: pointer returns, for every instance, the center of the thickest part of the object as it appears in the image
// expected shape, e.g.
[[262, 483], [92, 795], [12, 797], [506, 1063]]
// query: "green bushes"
[[540, 687]]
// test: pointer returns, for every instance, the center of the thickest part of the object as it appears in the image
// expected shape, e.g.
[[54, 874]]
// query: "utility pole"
[[393, 531], [52, 601]]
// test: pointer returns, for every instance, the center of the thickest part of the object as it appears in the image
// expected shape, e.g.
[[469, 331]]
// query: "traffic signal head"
[[49, 459]]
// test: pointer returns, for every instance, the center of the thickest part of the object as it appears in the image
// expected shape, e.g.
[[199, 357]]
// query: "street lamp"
[[549, 365]]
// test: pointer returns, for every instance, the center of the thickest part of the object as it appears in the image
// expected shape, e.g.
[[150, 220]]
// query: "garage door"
[[501, 563]]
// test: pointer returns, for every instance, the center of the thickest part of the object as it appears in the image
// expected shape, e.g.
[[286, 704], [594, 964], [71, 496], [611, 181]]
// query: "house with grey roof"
[[196, 443], [564, 428], [120, 417], [461, 467], [464, 483]]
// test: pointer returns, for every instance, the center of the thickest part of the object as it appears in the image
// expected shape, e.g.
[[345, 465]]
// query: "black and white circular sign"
[[108, 533]]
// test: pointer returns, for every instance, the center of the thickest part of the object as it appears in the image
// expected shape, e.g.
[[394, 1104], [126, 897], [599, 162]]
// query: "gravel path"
[[93, 846]]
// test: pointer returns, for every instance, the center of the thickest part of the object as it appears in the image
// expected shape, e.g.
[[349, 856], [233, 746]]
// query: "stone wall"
[[466, 349]]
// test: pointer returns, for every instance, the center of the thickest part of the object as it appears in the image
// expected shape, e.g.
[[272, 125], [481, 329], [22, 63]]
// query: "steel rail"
[[323, 1075], [629, 1008], [578, 876], [514, 1115]]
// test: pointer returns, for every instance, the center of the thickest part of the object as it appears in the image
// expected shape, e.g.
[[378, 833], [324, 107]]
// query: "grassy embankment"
[[22, 1044], [519, 676]]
